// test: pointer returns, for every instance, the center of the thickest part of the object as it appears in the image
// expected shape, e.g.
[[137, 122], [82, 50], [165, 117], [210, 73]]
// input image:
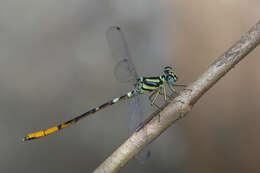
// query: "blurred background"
[[55, 63]]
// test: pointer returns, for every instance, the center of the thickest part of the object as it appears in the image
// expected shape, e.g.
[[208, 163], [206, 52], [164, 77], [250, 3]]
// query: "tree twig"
[[182, 104]]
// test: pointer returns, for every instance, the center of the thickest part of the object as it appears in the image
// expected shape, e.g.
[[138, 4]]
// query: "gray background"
[[55, 64]]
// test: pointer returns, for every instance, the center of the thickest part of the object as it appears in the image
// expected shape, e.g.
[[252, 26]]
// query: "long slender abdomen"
[[51, 130]]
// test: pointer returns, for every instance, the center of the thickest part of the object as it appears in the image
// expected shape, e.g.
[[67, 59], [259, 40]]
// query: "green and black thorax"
[[150, 84]]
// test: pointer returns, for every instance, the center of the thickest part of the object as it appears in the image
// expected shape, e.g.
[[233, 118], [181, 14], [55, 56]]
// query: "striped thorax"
[[149, 84]]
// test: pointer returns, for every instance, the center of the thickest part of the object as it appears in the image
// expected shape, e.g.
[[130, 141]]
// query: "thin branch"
[[182, 104]]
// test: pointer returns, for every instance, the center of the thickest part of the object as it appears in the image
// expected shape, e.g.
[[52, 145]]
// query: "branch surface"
[[182, 104]]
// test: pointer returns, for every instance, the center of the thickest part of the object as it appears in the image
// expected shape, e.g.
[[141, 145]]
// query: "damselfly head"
[[170, 75]]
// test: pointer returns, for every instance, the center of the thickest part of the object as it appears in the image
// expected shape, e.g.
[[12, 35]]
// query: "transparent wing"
[[122, 73], [134, 121], [125, 71]]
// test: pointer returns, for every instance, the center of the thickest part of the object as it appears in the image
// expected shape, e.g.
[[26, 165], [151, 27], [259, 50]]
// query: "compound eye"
[[170, 79]]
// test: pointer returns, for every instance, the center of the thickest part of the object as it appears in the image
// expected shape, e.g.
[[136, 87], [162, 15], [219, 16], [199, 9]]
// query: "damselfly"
[[155, 85]]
